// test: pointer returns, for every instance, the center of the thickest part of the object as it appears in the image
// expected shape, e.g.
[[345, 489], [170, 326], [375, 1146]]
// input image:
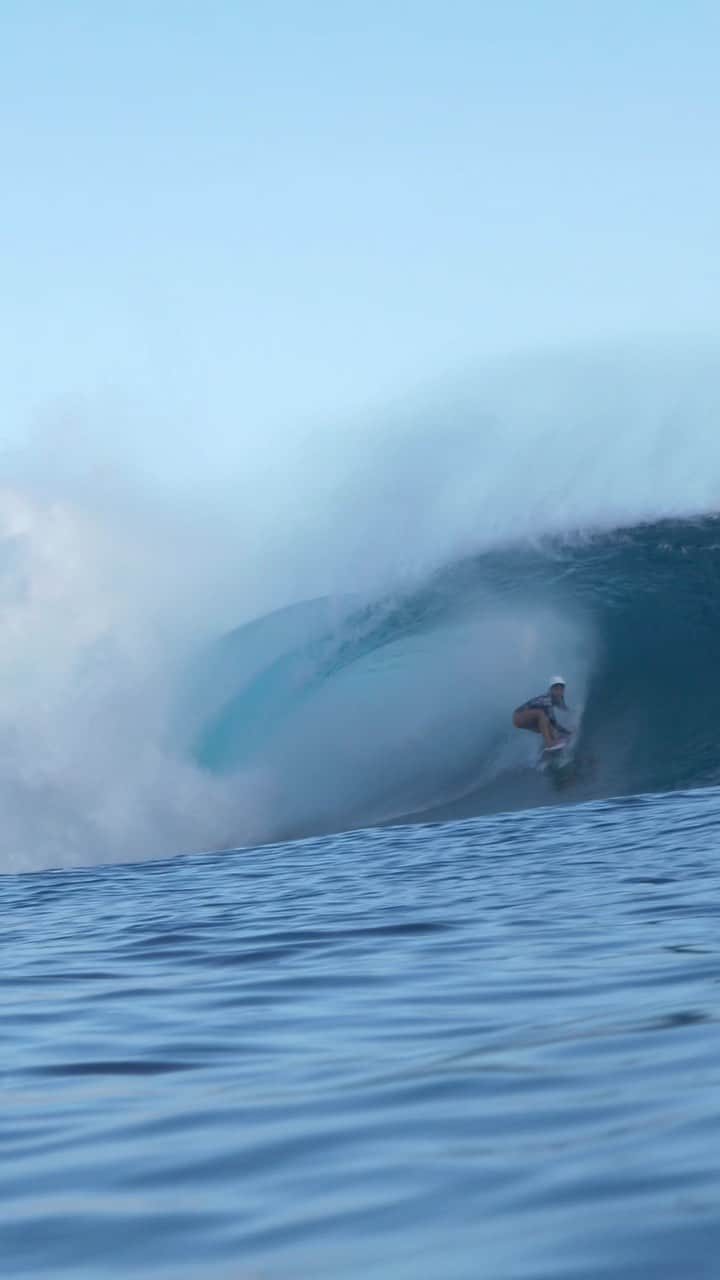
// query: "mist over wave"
[[89, 665], [410, 583]]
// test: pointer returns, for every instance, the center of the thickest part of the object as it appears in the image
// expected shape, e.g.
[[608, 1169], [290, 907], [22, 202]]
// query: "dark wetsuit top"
[[544, 702]]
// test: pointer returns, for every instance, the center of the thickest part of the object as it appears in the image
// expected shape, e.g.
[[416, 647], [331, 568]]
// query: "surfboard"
[[558, 756]]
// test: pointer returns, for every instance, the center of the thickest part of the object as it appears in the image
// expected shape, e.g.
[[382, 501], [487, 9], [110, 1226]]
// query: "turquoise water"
[[484, 1048]]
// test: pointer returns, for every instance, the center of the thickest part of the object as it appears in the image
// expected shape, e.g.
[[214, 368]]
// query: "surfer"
[[538, 715]]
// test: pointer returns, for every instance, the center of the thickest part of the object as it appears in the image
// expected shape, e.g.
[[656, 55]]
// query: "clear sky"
[[222, 220]]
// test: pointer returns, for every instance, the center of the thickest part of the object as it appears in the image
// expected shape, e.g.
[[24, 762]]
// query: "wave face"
[[402, 709]]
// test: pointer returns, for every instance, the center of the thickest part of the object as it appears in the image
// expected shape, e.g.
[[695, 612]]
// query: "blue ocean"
[[308, 971]]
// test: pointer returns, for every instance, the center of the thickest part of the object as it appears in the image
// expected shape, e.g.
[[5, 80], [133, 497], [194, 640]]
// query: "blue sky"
[[222, 222]]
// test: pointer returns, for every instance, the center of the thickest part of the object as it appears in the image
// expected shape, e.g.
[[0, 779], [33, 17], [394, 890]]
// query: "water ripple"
[[442, 1052]]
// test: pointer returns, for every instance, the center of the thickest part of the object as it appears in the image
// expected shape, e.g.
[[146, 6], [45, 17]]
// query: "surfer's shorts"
[[534, 706]]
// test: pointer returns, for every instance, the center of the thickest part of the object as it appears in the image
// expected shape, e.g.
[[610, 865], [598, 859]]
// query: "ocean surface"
[[477, 1048]]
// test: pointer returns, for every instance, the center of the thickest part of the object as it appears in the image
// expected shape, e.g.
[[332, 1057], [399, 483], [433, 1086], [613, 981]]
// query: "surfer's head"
[[557, 689]]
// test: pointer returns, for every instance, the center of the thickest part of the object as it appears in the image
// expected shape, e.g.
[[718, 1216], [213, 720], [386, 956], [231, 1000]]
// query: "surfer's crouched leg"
[[536, 721]]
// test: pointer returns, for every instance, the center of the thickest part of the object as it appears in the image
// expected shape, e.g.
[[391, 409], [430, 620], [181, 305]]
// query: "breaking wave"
[[438, 568]]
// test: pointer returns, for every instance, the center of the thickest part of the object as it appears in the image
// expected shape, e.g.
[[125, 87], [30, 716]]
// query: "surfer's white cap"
[[557, 680]]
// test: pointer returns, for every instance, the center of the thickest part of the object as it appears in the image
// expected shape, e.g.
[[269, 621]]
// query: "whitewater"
[[308, 971]]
